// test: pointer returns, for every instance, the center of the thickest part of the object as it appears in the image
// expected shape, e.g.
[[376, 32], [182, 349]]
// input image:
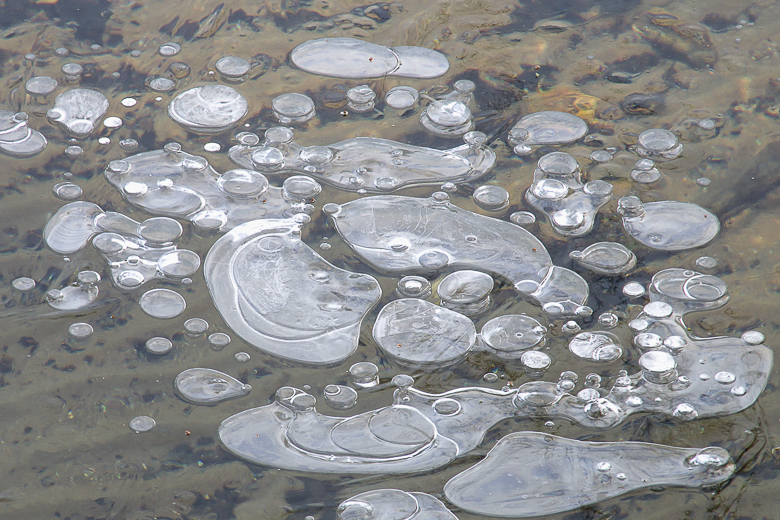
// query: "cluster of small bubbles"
[[364, 374], [219, 340], [23, 284], [608, 320], [67, 191], [491, 198], [80, 330], [158, 346], [600, 156], [196, 326], [113, 122], [129, 102], [242, 357], [753, 337], [490, 377], [340, 397], [73, 151], [522, 218], [142, 423], [703, 181], [634, 290], [162, 303], [169, 49]]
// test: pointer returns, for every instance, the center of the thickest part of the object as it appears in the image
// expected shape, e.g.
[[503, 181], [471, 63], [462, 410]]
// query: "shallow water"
[[65, 441]]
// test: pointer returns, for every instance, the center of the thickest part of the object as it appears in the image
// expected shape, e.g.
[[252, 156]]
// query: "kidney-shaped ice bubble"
[[71, 227], [210, 109], [401, 235], [176, 184], [282, 297], [668, 225], [561, 474], [78, 110], [548, 128], [605, 258], [207, 386], [393, 504], [421, 334]]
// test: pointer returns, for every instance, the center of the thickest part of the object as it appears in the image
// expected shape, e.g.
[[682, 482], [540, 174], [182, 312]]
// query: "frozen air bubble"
[[219, 340], [242, 357], [142, 423], [80, 330], [40, 85], [522, 218], [340, 397], [169, 49], [364, 374], [196, 326], [158, 346], [753, 337], [491, 198], [401, 97], [23, 284], [634, 290], [162, 303]]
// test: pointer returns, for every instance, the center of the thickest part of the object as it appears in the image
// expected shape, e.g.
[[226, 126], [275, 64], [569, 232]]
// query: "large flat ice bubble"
[[510, 335], [668, 225], [528, 474], [688, 291], [393, 504], [211, 109], [78, 110], [605, 258], [547, 128], [558, 191], [420, 334], [16, 138], [71, 227], [363, 163], [207, 386], [279, 295], [358, 59], [403, 235], [173, 183]]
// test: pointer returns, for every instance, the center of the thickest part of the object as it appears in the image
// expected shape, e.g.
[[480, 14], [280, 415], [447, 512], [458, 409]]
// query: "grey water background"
[[66, 450]]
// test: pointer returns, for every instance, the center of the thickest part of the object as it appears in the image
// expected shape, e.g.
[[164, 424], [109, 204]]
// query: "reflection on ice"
[[279, 295], [530, 473]]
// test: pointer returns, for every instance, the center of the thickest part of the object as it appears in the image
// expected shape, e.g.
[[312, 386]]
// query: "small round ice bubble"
[[634, 290], [658, 143], [401, 97], [242, 357], [753, 337], [340, 397], [490, 377], [232, 68], [195, 326], [535, 361], [648, 341], [142, 423], [67, 191], [162, 84], [112, 122], [361, 98], [129, 102], [522, 218], [491, 198], [413, 287], [80, 330], [73, 151], [212, 147], [600, 156], [23, 284], [219, 340], [703, 182], [608, 320], [158, 346], [169, 49], [725, 378], [658, 310], [364, 374], [40, 85], [293, 108], [162, 303]]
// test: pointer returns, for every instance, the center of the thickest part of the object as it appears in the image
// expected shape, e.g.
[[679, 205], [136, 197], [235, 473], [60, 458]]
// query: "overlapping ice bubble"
[[558, 192], [211, 109], [606, 258], [282, 297], [547, 128], [173, 183], [466, 292], [393, 504], [78, 110], [363, 163], [531, 474], [16, 138], [420, 334], [403, 235], [358, 59], [668, 225], [208, 387], [76, 296], [602, 347]]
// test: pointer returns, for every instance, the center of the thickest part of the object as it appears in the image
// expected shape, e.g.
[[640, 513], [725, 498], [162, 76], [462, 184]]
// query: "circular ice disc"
[[513, 332], [549, 127], [419, 62], [179, 263], [208, 109], [162, 303], [673, 226], [344, 58]]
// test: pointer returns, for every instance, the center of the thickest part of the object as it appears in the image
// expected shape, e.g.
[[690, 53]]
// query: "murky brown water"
[[65, 445]]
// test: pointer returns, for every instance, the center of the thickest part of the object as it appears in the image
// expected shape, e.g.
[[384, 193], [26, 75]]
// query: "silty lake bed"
[[68, 447]]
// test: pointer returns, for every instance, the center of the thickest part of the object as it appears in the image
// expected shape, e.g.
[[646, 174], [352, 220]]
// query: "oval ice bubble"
[[208, 387]]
